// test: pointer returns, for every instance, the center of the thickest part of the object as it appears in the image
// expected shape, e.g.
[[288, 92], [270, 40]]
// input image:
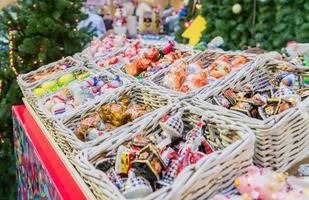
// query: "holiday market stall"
[[151, 107], [163, 121]]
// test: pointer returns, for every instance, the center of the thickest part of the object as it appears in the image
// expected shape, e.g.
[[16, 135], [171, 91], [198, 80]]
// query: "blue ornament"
[[101, 126], [95, 81], [182, 13], [153, 70], [117, 78]]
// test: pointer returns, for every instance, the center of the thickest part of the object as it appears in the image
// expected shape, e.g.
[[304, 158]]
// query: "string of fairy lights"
[[11, 49]]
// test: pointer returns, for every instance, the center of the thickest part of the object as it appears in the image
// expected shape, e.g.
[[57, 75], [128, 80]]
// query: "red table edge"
[[63, 178]]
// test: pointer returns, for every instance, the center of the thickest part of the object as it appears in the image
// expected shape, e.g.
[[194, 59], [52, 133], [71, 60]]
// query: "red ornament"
[[165, 118], [207, 146], [184, 89], [169, 48]]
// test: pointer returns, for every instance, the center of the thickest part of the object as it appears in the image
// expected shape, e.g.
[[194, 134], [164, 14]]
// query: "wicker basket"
[[206, 58], [137, 93], [281, 140], [212, 174], [27, 80], [38, 102]]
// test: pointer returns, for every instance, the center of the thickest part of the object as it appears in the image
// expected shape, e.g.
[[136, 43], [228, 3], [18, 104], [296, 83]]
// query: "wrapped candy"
[[260, 183], [109, 43], [175, 78], [136, 186], [239, 61], [155, 160], [79, 92], [278, 96], [152, 54], [173, 125], [137, 110], [185, 77], [264, 184], [148, 163], [153, 60]]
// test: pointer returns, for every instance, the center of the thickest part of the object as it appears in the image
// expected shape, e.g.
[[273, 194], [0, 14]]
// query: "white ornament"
[[236, 8]]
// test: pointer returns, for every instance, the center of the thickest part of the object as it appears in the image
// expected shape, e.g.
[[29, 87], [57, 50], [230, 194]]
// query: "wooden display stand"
[[43, 171]]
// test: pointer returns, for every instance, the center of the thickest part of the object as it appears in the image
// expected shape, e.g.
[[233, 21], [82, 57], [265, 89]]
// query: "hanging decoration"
[[194, 31], [11, 50], [1, 139], [182, 13], [236, 8], [198, 5], [1, 81]]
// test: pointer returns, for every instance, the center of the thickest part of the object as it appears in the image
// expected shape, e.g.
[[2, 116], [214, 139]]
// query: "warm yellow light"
[[198, 6]]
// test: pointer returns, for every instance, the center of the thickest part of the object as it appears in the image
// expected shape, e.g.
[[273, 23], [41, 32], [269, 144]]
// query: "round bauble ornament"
[[39, 92], [236, 8], [65, 79], [47, 85]]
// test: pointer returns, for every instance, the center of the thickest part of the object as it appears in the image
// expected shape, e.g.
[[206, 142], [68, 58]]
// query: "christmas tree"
[[42, 31], [269, 23]]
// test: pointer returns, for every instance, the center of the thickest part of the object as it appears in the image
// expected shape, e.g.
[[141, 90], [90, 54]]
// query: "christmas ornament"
[[39, 92], [47, 85], [194, 31], [66, 79], [182, 13], [236, 8]]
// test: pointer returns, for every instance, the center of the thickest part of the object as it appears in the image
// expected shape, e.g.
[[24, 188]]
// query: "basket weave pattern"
[[213, 173]]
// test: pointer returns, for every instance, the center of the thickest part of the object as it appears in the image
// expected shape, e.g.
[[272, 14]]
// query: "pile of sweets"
[[302, 60], [187, 77], [46, 73], [283, 91], [108, 44], [124, 57], [264, 184], [50, 86], [151, 60], [150, 162], [79, 92], [110, 116]]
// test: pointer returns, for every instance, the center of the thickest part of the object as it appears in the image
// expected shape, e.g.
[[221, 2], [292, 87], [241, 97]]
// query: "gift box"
[[282, 137], [181, 177], [184, 79]]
